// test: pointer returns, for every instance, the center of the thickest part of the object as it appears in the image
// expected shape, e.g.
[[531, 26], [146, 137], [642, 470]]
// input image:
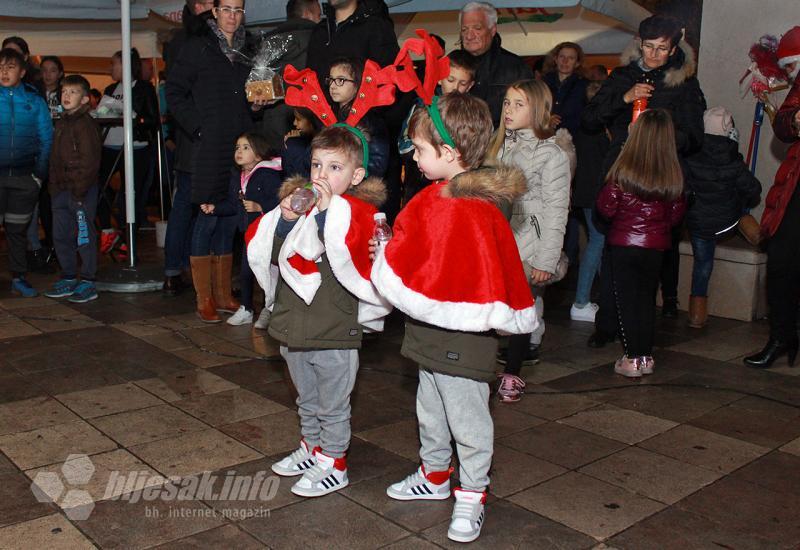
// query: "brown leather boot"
[[201, 275], [750, 229], [698, 311], [221, 283]]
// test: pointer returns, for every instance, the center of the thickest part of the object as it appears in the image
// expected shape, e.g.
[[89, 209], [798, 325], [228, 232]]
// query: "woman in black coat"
[[206, 95]]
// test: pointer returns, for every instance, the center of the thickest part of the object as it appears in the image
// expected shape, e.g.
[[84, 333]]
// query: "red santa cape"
[[453, 261], [348, 228]]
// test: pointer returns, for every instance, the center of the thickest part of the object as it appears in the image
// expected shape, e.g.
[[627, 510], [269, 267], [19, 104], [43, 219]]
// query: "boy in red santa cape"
[[315, 268], [453, 268]]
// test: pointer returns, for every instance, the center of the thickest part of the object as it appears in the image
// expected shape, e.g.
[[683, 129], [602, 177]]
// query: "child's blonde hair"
[[648, 165], [541, 102]]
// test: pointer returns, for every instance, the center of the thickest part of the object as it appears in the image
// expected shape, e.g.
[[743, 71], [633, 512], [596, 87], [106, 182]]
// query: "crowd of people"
[[488, 173]]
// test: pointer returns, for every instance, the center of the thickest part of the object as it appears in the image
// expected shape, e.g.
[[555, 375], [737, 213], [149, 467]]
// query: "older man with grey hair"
[[497, 67]]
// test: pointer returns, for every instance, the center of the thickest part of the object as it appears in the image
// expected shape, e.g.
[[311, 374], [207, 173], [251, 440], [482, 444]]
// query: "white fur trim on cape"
[[463, 316], [337, 224], [259, 255], [302, 240]]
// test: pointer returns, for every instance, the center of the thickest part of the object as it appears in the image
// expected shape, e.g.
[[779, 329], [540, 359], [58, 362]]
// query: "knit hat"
[[789, 47], [718, 121]]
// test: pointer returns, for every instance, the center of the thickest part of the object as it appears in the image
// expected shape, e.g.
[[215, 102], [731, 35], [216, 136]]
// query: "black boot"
[[669, 308], [774, 349], [599, 339], [173, 285]]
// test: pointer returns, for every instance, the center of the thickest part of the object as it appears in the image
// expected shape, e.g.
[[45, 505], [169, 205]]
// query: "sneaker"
[[468, 516], [585, 313], [62, 288], [422, 485], [108, 238], [22, 287], [326, 476], [669, 308], [296, 463], [84, 292], [511, 388], [531, 357], [241, 317], [631, 368], [647, 364], [263, 319]]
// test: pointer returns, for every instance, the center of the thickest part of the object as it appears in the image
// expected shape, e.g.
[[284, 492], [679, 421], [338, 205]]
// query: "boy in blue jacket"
[[26, 134]]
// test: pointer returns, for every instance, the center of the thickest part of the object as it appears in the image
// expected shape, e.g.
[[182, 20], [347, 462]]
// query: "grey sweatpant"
[[324, 380], [459, 406]]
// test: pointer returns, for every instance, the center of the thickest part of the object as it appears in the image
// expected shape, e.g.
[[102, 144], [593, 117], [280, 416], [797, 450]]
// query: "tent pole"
[[127, 119], [160, 139]]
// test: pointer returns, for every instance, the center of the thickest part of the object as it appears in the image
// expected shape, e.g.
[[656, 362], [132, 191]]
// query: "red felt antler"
[[377, 89], [437, 66], [305, 91]]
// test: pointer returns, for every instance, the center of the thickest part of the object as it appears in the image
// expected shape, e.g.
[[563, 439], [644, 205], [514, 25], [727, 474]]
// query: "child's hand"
[[538, 276], [286, 209], [373, 248], [325, 193], [207, 208], [251, 206], [555, 121]]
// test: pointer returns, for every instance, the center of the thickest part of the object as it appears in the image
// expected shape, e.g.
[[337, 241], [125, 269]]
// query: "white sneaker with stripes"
[[419, 486], [468, 516], [297, 463], [326, 476]]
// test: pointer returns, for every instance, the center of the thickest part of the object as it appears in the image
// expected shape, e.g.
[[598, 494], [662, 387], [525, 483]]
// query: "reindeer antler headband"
[[376, 89], [437, 67]]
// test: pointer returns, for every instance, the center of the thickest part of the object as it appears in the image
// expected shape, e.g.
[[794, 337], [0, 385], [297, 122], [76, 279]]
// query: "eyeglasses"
[[339, 81], [227, 10], [660, 49]]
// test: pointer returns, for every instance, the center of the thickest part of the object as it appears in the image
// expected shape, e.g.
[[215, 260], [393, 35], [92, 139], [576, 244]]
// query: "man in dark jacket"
[[497, 67], [179, 229], [301, 18], [660, 68]]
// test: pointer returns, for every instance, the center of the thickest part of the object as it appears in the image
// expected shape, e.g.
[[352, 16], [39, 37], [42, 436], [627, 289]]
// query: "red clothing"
[[637, 222], [786, 178]]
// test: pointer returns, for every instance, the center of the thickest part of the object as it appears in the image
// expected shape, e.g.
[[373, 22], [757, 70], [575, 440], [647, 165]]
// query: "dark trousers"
[[783, 273], [213, 234], [605, 320], [247, 281], [177, 243], [18, 196], [518, 345], [670, 268], [108, 199], [635, 273], [65, 234]]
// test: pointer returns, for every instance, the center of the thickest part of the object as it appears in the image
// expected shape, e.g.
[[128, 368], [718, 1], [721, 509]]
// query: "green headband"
[[436, 117], [364, 145]]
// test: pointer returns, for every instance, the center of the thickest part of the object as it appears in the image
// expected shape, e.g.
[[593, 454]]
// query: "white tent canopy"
[[85, 38]]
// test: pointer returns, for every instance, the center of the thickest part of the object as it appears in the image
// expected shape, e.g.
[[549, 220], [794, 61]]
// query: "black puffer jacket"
[[676, 90], [277, 119], [368, 34], [498, 68], [719, 187], [205, 93]]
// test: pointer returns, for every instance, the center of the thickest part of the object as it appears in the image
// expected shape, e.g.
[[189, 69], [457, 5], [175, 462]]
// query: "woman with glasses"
[[205, 92], [660, 68]]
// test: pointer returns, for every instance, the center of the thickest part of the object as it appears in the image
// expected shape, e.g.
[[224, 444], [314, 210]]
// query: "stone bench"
[[738, 283]]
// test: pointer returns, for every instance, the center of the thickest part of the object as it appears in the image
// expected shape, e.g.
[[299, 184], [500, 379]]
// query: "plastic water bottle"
[[83, 228], [383, 232], [303, 199]]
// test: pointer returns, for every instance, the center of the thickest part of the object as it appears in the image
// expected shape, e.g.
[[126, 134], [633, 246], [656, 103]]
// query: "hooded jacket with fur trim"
[[454, 269], [676, 90], [316, 278]]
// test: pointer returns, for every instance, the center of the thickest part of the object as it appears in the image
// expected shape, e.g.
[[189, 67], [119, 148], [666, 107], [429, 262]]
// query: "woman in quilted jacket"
[[526, 140], [642, 200]]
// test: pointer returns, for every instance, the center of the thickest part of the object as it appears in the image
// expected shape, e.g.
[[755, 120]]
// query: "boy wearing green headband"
[[316, 313]]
